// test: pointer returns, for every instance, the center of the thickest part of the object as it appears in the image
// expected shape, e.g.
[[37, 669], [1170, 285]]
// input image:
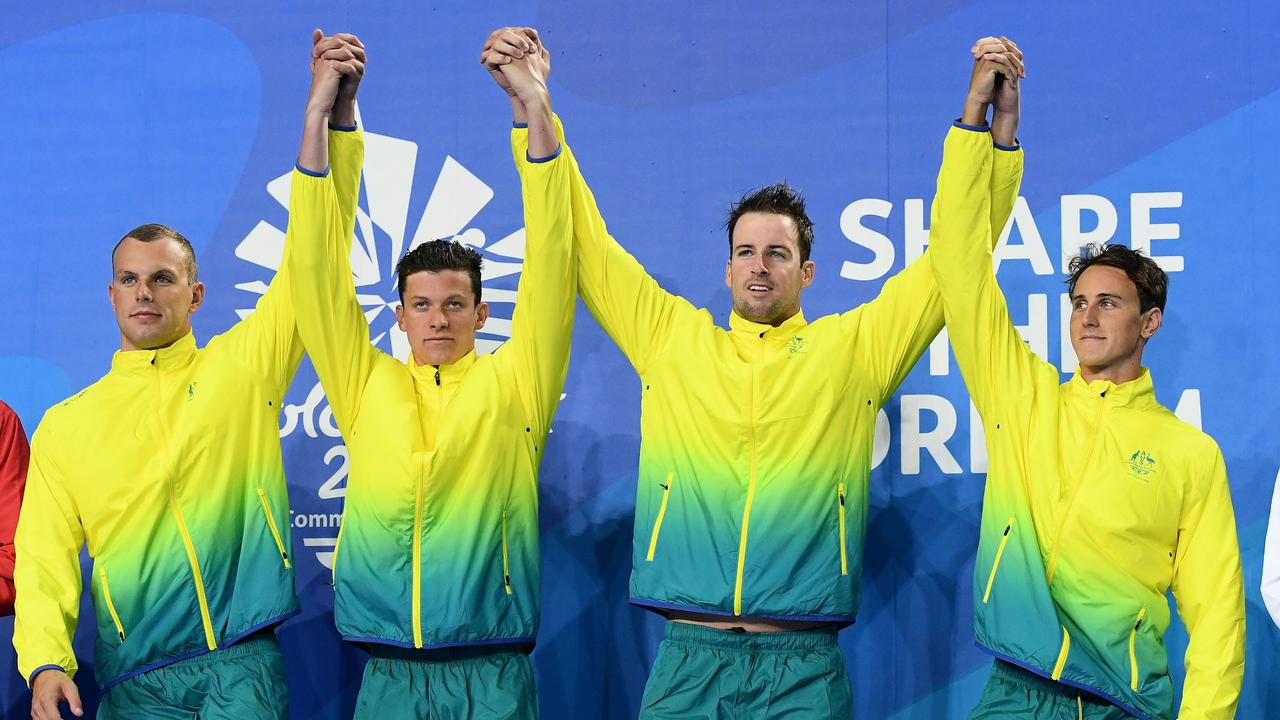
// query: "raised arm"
[[47, 572], [1209, 591], [891, 332], [322, 208], [538, 352], [636, 313], [992, 356]]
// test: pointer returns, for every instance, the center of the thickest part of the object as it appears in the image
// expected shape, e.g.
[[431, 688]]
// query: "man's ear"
[[1151, 322], [197, 296]]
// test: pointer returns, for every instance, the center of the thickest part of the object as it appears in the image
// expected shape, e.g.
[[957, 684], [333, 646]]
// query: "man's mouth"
[[758, 287]]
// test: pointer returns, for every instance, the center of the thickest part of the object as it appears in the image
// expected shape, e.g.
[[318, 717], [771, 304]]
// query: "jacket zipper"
[[275, 532], [1133, 656], [751, 494], [506, 569], [205, 620], [1004, 540], [662, 512], [1075, 493], [417, 562], [844, 559], [333, 571], [115, 617]]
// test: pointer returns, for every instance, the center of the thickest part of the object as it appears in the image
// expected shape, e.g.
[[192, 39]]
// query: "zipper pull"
[[437, 377]]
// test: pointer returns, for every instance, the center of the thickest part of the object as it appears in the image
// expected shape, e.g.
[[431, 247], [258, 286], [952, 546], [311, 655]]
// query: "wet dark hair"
[[1151, 281], [779, 199], [437, 255], [154, 231]]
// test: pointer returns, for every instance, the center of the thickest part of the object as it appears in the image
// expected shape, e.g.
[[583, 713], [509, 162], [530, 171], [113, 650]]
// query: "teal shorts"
[[707, 674], [244, 681], [1013, 693], [468, 683]]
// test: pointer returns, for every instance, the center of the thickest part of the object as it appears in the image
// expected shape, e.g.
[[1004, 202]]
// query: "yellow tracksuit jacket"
[[439, 539], [755, 441], [1097, 501], [169, 469]]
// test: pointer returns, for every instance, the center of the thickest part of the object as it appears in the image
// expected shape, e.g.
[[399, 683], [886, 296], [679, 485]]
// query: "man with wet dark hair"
[[750, 520], [438, 255], [1150, 281], [437, 568], [1098, 500], [777, 199]]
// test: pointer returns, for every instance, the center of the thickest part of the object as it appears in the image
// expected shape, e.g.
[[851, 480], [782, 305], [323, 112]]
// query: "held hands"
[[998, 70], [518, 62], [337, 66], [51, 688]]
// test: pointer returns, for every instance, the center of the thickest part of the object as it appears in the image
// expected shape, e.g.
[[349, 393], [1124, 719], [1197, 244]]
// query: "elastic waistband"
[[259, 643], [446, 654], [1014, 673], [702, 636]]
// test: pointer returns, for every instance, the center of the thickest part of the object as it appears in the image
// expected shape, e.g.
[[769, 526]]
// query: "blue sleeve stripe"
[[974, 128], [548, 158], [1007, 148], [515, 124], [312, 173], [41, 669], [343, 128]]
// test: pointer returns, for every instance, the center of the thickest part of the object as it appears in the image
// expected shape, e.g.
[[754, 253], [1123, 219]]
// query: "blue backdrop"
[[1149, 124]]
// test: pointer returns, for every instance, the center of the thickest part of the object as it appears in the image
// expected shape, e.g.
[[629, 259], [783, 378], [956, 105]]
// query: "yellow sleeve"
[[330, 321], [1208, 588], [891, 332], [346, 161], [976, 185], [47, 572], [542, 324], [627, 302]]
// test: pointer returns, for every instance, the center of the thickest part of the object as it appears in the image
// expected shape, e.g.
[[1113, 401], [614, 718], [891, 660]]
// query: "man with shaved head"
[[169, 469]]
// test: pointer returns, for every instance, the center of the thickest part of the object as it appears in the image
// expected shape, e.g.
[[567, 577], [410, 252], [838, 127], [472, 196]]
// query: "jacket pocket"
[[1133, 655], [662, 511], [844, 556], [506, 567], [111, 606], [275, 532], [991, 579]]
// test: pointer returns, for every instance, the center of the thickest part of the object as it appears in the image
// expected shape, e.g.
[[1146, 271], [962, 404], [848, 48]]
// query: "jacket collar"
[[740, 326], [177, 355], [1136, 393], [450, 374]]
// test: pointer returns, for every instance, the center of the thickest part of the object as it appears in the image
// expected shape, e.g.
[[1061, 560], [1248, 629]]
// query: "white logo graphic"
[[380, 241]]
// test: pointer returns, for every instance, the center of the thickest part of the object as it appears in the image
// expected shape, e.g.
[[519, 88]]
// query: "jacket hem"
[[1069, 683], [203, 651], [658, 606], [529, 640]]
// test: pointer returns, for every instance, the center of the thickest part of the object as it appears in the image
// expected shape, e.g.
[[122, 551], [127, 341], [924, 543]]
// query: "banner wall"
[[1149, 124]]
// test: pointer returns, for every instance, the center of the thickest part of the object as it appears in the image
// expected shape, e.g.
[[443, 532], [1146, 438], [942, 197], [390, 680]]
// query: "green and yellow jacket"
[[1098, 499], [169, 470], [439, 539], [756, 441]]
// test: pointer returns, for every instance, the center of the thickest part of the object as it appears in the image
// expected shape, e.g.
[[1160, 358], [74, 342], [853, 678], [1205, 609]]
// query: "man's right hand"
[[996, 61], [507, 44], [50, 689], [329, 73]]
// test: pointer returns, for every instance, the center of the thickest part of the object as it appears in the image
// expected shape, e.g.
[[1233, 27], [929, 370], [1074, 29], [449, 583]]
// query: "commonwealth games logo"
[[382, 236]]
